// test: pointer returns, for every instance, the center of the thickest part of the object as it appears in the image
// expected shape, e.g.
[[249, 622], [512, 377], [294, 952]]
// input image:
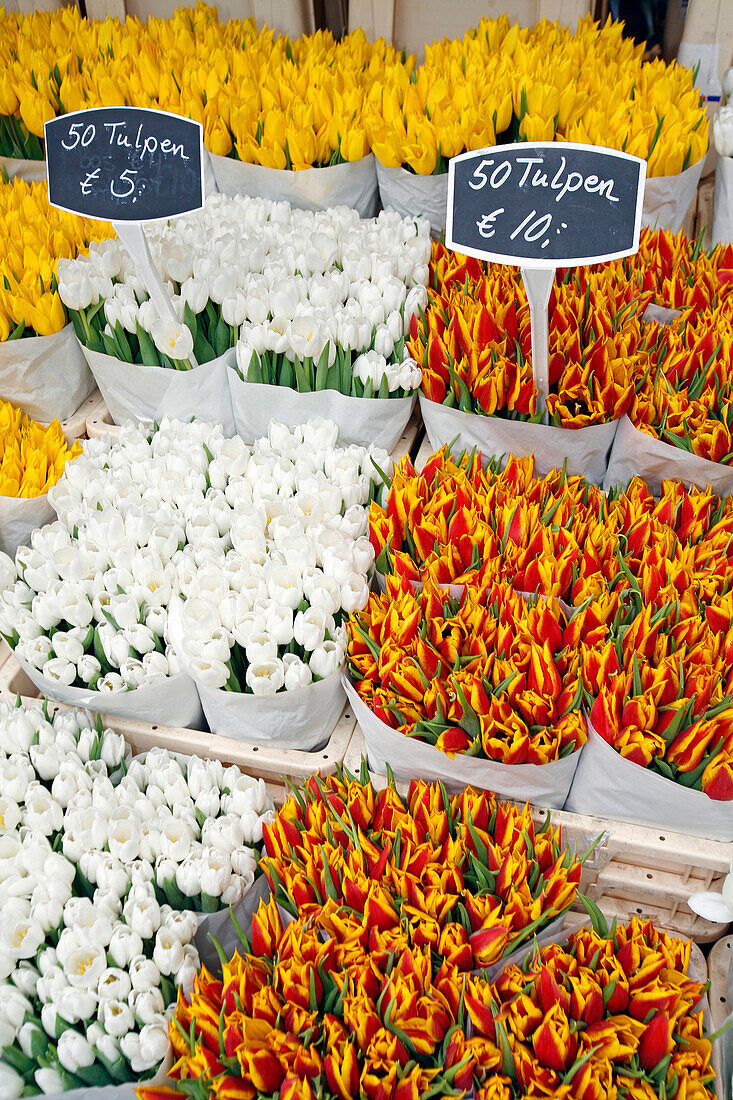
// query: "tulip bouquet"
[[256, 553], [261, 97], [331, 1008], [459, 522], [467, 876], [609, 1013], [662, 689], [504, 83], [35, 237], [104, 862], [34, 455], [33, 458], [483, 674], [474, 343]]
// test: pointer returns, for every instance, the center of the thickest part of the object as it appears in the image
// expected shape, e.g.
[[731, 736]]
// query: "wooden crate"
[[719, 963], [76, 426], [636, 870], [99, 422], [272, 764]]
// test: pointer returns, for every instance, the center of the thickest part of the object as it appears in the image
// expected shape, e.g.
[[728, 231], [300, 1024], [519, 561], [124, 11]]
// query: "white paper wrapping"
[[301, 719], [23, 169], [46, 376], [667, 198], [410, 195], [170, 702], [18, 517], [607, 785], [362, 420], [541, 784], [220, 925], [210, 187], [585, 449], [353, 184], [146, 394], [635, 452], [723, 202]]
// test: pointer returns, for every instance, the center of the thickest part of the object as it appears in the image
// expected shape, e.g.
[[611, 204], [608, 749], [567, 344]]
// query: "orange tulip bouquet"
[[647, 586], [365, 973], [610, 361], [476, 688]]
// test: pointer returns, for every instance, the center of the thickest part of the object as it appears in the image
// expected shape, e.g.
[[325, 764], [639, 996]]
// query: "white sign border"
[[526, 261], [145, 110]]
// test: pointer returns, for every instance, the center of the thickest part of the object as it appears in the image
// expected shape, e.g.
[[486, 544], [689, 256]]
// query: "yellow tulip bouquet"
[[260, 97], [32, 455], [32, 459], [35, 236], [503, 83]]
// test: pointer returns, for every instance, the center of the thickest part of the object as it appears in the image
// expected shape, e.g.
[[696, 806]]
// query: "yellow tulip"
[[35, 110]]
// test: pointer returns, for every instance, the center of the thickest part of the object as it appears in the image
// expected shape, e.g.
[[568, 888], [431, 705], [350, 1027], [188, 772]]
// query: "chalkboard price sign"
[[545, 204], [124, 164]]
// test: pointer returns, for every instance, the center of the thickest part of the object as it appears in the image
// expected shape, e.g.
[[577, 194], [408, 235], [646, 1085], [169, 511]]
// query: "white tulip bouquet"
[[311, 300], [104, 863], [183, 550]]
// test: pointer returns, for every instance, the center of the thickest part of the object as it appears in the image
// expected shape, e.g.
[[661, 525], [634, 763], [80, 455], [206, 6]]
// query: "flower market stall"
[[366, 658]]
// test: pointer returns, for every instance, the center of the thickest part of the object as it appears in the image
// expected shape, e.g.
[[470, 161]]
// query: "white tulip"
[[116, 1018], [723, 131], [49, 1081], [326, 659], [144, 974], [266, 677], [147, 1004], [125, 944], [297, 673], [172, 338]]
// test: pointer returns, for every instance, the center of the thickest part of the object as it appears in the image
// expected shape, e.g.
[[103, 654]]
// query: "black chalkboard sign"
[[545, 203], [124, 163]]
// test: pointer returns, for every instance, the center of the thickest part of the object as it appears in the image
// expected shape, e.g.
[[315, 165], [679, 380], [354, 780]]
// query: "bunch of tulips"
[[606, 360], [35, 236], [648, 647], [485, 674], [33, 455], [470, 877], [261, 97], [502, 83], [373, 990], [282, 103], [659, 673]]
